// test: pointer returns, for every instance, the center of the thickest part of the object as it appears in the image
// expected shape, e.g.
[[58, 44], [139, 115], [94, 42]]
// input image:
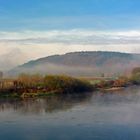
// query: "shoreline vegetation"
[[29, 86], [37, 86]]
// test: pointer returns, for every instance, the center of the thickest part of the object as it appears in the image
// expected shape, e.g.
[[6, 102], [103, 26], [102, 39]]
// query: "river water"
[[89, 116]]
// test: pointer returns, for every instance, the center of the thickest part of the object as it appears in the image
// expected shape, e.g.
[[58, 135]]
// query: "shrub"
[[135, 79], [136, 70], [30, 80], [105, 84], [66, 84], [121, 82]]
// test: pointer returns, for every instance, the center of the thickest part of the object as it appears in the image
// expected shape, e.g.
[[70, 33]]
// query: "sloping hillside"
[[82, 64]]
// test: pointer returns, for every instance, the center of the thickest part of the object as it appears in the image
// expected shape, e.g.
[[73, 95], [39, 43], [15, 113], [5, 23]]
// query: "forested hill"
[[81, 63]]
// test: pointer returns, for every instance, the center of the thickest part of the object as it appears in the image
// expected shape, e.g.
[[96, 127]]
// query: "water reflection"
[[123, 96], [64, 102], [44, 105], [89, 116]]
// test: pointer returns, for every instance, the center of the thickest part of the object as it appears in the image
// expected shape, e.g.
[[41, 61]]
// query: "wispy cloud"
[[75, 36], [37, 44]]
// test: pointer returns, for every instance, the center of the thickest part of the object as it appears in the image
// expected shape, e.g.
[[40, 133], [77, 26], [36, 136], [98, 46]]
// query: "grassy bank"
[[37, 85]]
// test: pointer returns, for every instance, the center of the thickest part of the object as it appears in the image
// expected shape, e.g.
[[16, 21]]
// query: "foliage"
[[136, 70], [105, 84], [135, 78], [121, 82], [66, 84], [30, 80]]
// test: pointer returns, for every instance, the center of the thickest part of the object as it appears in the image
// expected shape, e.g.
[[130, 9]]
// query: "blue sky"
[[69, 14], [38, 28]]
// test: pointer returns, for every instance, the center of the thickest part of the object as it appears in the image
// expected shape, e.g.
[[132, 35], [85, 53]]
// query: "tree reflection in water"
[[63, 102], [44, 105]]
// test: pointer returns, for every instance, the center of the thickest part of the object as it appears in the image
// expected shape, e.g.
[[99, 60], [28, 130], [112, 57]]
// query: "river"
[[90, 116]]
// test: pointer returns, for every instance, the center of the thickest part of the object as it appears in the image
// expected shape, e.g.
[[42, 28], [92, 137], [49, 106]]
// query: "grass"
[[38, 86]]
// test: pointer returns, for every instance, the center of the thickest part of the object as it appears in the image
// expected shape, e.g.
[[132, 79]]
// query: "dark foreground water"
[[91, 116]]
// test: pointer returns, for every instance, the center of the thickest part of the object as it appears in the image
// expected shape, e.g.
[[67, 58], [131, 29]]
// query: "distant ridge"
[[81, 63]]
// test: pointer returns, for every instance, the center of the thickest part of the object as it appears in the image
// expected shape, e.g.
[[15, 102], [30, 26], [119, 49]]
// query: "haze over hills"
[[82, 64], [11, 59]]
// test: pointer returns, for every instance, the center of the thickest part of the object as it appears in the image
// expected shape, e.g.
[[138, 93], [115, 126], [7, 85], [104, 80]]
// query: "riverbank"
[[30, 86], [35, 86]]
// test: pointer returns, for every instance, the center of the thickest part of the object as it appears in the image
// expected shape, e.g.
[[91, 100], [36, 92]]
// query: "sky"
[[38, 28]]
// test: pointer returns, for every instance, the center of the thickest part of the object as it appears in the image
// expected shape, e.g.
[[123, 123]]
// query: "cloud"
[[37, 44], [72, 37]]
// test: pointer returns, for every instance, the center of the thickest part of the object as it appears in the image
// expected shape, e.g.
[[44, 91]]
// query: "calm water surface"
[[90, 116]]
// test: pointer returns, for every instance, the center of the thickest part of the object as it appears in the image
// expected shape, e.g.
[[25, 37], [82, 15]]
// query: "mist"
[[20, 47]]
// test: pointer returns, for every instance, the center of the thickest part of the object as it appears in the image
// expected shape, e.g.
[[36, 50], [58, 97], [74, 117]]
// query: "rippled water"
[[90, 116]]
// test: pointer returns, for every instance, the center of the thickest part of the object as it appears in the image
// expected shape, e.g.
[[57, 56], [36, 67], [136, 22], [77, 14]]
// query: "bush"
[[135, 79], [66, 84], [136, 70], [29, 81], [105, 84], [121, 82]]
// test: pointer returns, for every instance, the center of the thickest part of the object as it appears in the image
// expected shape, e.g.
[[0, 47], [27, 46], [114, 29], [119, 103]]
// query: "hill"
[[81, 64]]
